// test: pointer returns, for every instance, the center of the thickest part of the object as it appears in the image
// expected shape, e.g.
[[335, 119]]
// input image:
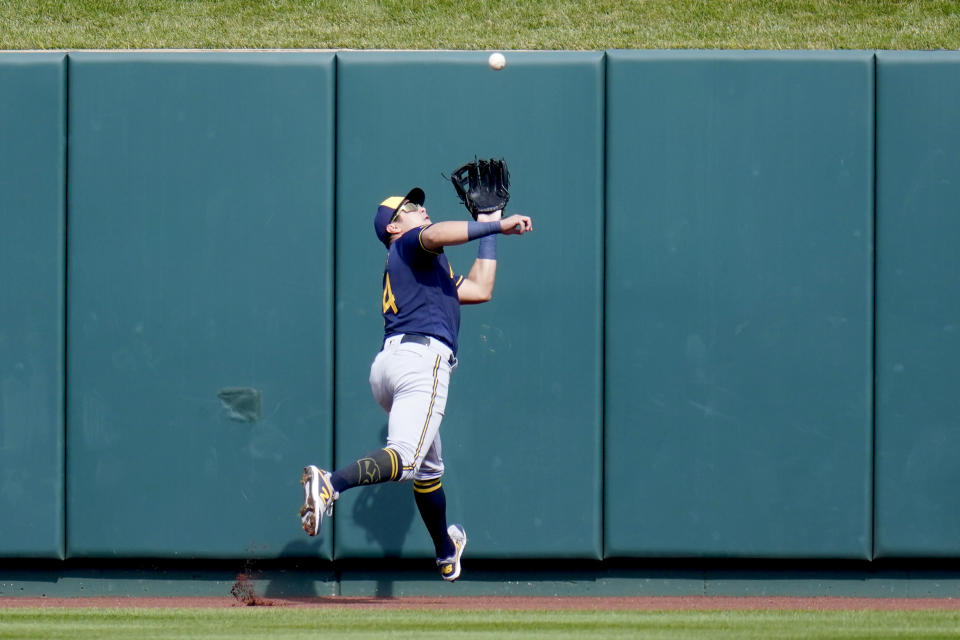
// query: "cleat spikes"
[[318, 498]]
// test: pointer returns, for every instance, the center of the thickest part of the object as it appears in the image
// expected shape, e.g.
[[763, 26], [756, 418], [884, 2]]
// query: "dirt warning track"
[[631, 603]]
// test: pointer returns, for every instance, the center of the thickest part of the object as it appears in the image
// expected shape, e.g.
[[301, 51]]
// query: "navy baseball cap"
[[388, 209]]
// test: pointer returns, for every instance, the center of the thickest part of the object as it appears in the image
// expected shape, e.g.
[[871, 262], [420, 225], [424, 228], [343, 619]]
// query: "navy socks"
[[432, 503], [382, 465]]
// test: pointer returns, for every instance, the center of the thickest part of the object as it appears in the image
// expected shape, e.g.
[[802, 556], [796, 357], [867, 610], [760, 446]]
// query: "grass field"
[[483, 24], [313, 623]]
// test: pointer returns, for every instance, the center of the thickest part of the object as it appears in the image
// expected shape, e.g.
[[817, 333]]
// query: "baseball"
[[497, 61]]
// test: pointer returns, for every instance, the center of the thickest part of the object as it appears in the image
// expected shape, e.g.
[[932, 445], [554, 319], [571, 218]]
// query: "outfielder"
[[410, 375]]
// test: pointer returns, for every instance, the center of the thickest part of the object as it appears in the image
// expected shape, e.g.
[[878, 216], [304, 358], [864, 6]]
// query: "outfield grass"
[[289, 623], [481, 24]]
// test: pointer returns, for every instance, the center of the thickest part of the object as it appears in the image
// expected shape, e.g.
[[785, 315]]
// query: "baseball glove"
[[483, 186]]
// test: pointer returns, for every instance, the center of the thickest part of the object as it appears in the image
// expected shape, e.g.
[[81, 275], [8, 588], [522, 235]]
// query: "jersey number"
[[389, 301]]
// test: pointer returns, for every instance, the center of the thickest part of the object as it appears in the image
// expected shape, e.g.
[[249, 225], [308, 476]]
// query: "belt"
[[432, 343], [412, 337]]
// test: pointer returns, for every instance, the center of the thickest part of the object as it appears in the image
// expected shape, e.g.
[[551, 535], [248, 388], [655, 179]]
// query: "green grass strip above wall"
[[487, 24]]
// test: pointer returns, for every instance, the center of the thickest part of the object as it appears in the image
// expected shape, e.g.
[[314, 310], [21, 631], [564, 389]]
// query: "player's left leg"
[[318, 498], [411, 385], [382, 465], [322, 488]]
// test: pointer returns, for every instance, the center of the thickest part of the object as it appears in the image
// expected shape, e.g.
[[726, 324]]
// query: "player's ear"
[[393, 228]]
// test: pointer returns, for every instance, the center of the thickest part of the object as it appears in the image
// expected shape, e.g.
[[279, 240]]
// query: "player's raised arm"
[[483, 187], [451, 233], [478, 285]]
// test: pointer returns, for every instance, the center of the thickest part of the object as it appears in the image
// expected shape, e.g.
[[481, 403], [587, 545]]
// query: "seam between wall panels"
[[873, 327], [603, 307], [334, 104], [65, 317]]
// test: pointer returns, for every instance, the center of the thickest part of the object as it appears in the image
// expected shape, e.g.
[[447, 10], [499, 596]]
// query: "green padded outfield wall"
[[200, 308], [522, 431], [738, 334], [32, 190], [739, 304], [918, 304]]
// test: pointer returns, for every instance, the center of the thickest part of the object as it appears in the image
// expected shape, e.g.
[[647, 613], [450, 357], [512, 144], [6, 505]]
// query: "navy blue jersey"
[[420, 291]]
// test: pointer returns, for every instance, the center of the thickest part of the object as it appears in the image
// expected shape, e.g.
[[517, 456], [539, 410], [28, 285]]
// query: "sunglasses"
[[406, 207]]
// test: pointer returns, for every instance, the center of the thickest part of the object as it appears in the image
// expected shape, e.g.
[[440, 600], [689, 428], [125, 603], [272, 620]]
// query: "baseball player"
[[409, 377]]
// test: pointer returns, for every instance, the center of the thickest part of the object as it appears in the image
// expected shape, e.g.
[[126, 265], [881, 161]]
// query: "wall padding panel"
[[32, 191], [201, 301], [522, 431], [918, 306], [738, 325]]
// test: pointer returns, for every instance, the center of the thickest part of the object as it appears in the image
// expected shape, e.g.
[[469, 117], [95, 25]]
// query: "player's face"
[[411, 216]]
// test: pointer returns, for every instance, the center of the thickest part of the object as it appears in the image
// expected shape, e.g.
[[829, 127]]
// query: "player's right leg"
[[450, 566], [448, 541], [410, 382], [415, 417]]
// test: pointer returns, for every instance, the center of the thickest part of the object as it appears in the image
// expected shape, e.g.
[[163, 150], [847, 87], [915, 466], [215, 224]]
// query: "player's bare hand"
[[516, 225], [487, 217]]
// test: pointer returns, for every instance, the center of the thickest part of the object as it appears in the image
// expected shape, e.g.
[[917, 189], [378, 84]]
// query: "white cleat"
[[318, 498], [450, 567]]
